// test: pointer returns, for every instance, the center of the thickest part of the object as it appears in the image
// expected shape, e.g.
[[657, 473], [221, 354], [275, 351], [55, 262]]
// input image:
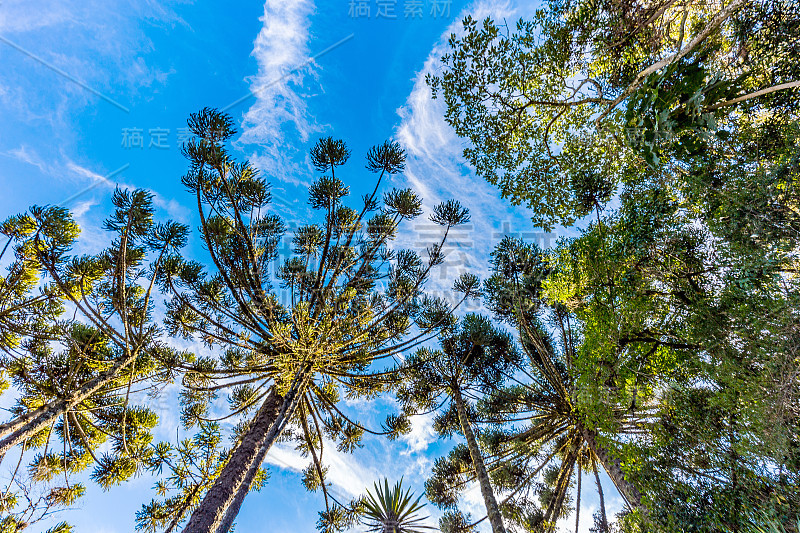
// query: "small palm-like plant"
[[390, 510]]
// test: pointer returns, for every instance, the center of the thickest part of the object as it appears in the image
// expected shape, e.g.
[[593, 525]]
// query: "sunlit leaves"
[[392, 509], [326, 192], [348, 296], [403, 202]]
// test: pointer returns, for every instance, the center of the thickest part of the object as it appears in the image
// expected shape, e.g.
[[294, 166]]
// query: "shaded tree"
[[548, 436]]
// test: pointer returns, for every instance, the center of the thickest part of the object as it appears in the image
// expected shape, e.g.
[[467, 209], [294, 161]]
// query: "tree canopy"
[[657, 346]]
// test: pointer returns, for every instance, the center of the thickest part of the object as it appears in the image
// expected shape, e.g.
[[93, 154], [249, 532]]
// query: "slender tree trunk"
[[184, 508], [603, 518], [492, 509], [578, 502], [612, 466], [562, 483], [30, 423], [216, 512], [734, 460]]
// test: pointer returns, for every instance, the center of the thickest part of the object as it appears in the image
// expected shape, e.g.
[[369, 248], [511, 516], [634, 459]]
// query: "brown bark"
[[247, 484], [612, 467], [222, 502], [492, 509], [28, 424]]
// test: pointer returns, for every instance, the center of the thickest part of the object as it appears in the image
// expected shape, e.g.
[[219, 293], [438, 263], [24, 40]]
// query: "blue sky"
[[96, 93]]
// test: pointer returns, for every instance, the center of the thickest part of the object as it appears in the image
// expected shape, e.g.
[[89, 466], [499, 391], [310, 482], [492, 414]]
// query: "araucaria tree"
[[474, 358], [75, 376], [346, 302], [671, 129], [26, 305], [555, 429]]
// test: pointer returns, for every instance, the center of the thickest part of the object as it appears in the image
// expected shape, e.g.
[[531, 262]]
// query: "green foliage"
[[74, 376], [392, 510], [540, 102], [347, 298], [28, 306], [456, 522], [191, 467], [675, 108], [661, 339], [61, 527]]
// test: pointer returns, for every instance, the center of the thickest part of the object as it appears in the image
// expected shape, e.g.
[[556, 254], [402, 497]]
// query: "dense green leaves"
[[597, 88]]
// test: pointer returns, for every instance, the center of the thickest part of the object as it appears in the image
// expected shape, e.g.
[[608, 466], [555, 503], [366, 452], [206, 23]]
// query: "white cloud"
[[98, 44], [436, 169], [28, 155], [347, 475], [21, 16], [81, 208], [17, 16], [421, 435], [280, 109], [85, 172]]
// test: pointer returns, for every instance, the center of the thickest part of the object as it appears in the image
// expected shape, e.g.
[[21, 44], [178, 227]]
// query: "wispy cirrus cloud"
[[89, 49], [279, 118], [27, 154], [437, 169]]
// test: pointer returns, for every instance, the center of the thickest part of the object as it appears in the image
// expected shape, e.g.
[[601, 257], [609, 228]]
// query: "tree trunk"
[[578, 502], [492, 509], [184, 508], [247, 484], [612, 466], [603, 518], [390, 526], [221, 504], [553, 510], [32, 422]]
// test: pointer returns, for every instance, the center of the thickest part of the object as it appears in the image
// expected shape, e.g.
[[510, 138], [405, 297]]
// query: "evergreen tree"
[[75, 377], [192, 467], [27, 306], [543, 439], [291, 362], [105, 291], [474, 359]]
